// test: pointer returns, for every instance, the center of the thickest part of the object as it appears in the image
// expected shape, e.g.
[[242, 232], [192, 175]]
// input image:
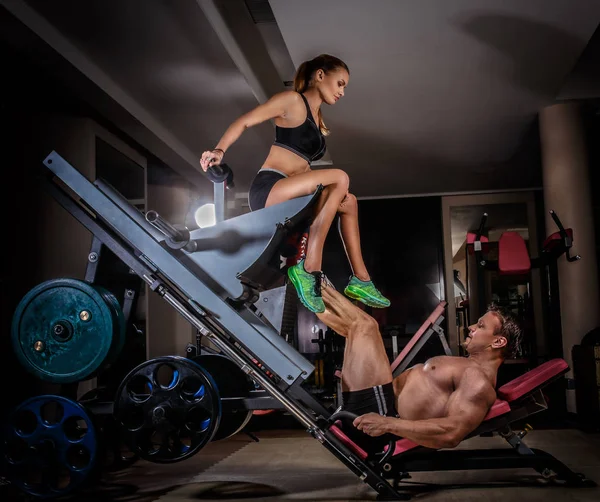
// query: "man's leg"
[[366, 363]]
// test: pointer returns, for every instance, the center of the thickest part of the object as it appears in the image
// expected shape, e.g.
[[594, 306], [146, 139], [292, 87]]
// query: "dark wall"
[[402, 243], [592, 127]]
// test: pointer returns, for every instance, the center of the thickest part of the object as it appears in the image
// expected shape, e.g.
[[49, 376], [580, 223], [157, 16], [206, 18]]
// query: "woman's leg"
[[360, 286], [335, 182], [348, 211]]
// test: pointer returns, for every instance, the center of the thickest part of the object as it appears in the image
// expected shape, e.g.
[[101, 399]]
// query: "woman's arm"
[[277, 106]]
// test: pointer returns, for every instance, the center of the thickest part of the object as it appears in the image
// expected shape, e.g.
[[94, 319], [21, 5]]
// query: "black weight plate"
[[168, 409], [231, 382]]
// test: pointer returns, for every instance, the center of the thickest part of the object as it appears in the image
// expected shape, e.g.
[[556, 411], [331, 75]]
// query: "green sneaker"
[[308, 287], [365, 292]]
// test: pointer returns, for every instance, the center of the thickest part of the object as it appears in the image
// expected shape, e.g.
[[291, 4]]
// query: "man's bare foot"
[[340, 312]]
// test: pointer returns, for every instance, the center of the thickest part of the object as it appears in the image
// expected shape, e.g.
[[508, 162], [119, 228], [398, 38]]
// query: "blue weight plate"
[[62, 330], [50, 446], [168, 409]]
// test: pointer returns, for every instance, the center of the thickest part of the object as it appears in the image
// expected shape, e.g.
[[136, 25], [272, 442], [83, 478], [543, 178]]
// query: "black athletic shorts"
[[261, 187], [379, 399]]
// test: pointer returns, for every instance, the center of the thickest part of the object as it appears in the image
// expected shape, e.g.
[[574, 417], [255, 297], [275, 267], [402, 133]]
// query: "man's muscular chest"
[[424, 390]]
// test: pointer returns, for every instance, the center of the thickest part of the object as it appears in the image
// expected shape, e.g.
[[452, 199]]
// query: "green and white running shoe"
[[308, 287], [366, 292]]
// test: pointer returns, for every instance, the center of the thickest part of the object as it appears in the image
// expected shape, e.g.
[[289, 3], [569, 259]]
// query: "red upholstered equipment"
[[533, 379], [439, 310], [556, 240], [509, 392], [471, 237], [348, 442], [513, 257], [498, 408]]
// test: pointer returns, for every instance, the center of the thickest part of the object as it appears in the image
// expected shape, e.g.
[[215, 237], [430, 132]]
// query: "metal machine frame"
[[189, 271]]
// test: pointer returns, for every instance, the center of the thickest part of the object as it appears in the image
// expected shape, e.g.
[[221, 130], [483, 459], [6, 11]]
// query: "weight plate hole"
[[62, 331], [192, 389], [34, 476], [156, 441], [133, 418], [16, 450], [78, 457], [197, 420], [25, 423], [62, 480], [166, 376], [185, 439], [75, 428], [52, 413], [139, 388]]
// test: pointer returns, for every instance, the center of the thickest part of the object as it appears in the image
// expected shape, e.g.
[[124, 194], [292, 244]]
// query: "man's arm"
[[467, 407]]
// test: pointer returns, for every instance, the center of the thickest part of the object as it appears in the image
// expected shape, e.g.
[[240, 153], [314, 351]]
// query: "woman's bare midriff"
[[285, 161]]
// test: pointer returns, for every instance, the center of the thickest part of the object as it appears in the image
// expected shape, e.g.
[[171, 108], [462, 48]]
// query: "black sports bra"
[[305, 140]]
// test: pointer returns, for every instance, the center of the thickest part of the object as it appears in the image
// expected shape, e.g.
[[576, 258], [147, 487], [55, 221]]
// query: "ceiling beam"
[[239, 35], [185, 162]]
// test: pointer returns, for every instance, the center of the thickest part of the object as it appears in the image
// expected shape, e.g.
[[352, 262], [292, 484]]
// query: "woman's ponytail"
[[302, 77]]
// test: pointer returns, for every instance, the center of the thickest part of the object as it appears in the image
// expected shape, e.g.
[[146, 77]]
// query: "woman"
[[286, 174]]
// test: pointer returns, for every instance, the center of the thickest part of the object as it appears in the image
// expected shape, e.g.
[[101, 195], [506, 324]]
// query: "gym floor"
[[288, 464]]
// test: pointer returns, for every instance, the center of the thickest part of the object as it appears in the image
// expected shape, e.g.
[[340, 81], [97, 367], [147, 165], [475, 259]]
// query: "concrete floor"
[[288, 464]]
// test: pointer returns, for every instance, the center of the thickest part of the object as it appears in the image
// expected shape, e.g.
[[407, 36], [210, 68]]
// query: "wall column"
[[567, 192]]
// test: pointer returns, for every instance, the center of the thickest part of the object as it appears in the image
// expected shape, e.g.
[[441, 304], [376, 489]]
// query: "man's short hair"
[[509, 329]]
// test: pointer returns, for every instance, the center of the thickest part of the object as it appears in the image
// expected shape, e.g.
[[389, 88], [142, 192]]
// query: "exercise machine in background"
[[500, 272]]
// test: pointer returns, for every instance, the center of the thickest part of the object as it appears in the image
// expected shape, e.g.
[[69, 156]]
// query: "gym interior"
[[469, 133]]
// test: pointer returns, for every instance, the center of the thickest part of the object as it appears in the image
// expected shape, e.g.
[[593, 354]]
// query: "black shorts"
[[379, 399], [261, 187]]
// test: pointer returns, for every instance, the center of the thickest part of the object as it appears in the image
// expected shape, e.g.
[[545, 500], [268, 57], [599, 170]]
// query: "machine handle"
[[566, 239], [349, 416], [220, 173], [481, 226], [561, 229], [157, 221]]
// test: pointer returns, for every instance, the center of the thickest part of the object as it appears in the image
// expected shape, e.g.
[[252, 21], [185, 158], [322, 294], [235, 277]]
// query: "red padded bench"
[[509, 397]]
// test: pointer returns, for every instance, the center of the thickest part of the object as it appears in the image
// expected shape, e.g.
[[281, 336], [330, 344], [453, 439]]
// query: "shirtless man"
[[436, 404]]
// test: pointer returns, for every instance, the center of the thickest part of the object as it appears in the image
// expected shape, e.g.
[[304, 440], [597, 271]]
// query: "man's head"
[[496, 329]]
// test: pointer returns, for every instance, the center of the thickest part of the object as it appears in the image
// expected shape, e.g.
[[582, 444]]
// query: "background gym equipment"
[[51, 446], [512, 262], [66, 330]]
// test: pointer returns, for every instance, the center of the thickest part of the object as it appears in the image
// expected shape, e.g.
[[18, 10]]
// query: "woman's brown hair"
[[306, 71]]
